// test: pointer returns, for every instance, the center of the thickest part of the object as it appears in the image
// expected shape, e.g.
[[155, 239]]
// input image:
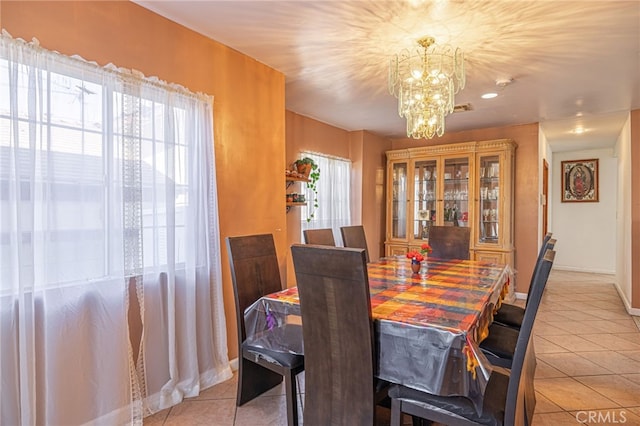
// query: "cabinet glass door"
[[399, 201], [424, 198], [489, 214], [456, 191]]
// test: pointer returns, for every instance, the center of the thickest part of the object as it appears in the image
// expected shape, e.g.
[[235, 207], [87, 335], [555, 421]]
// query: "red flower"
[[425, 249], [415, 256]]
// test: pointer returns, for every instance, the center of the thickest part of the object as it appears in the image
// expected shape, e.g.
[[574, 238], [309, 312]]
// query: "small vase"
[[415, 266]]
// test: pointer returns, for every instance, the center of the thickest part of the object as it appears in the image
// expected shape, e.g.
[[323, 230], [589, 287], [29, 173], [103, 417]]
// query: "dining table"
[[428, 325]]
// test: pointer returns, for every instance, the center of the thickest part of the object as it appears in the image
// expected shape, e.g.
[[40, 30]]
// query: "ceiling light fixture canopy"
[[425, 81]]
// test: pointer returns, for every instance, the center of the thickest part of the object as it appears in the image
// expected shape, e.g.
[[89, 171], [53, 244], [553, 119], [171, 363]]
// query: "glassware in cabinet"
[[399, 201], [424, 197], [489, 214], [456, 191], [472, 185]]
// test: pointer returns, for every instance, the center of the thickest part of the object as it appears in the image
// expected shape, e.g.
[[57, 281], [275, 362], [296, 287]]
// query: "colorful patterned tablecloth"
[[428, 325]]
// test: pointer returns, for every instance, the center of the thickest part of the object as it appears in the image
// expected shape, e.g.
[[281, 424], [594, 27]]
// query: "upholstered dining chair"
[[340, 387], [512, 315], [323, 237], [504, 401], [450, 242], [500, 344], [353, 236], [255, 272]]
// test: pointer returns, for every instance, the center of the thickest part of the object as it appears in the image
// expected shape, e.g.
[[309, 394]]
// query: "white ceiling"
[[572, 62]]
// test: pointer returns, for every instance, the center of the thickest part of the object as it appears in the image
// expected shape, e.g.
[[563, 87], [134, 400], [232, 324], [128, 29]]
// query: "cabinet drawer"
[[393, 250], [493, 257]]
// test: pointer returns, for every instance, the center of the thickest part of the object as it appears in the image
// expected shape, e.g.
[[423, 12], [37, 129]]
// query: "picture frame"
[[579, 181]]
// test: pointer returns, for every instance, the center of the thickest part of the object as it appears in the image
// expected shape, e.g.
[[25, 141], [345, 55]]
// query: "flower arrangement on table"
[[418, 256]]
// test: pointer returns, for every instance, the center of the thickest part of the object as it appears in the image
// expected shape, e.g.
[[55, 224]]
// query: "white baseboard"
[[521, 295], [583, 269], [234, 364]]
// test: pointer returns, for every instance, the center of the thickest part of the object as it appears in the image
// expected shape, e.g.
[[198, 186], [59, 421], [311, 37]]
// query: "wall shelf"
[[290, 180]]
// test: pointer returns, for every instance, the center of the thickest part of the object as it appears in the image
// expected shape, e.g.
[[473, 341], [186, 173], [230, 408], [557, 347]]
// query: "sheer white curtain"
[[110, 286], [333, 196]]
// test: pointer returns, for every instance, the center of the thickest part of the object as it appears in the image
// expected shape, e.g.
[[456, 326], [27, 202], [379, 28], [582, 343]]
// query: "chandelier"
[[424, 80]]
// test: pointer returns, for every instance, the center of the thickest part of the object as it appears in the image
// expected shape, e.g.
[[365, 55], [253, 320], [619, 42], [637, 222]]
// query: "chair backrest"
[[322, 237], [549, 245], [353, 237], [450, 242], [254, 272], [338, 335], [543, 247], [523, 366]]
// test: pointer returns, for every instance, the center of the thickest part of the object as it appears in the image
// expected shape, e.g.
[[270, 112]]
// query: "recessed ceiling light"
[[489, 95], [504, 82], [578, 130]]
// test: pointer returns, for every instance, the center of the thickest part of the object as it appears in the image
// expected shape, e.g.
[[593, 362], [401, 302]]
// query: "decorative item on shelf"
[[305, 166], [310, 170], [450, 214], [425, 81], [424, 214]]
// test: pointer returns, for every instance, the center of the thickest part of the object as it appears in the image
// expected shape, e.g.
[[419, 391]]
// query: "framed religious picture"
[[580, 180]]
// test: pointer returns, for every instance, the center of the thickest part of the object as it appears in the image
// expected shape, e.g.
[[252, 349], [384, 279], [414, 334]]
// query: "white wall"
[[586, 232], [623, 246]]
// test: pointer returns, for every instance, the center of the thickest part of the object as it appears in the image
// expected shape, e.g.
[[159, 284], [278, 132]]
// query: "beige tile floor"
[[588, 351], [588, 372]]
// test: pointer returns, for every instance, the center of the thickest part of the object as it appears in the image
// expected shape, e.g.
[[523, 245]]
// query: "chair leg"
[[396, 412], [291, 395], [254, 380], [396, 415]]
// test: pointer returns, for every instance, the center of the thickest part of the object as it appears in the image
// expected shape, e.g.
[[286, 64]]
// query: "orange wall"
[[372, 189], [248, 101], [525, 192], [366, 152], [306, 134]]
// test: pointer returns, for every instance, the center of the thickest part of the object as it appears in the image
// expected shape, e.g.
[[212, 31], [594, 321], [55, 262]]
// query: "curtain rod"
[[321, 154]]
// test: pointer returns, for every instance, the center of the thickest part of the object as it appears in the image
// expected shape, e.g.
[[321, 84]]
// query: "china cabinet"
[[464, 184]]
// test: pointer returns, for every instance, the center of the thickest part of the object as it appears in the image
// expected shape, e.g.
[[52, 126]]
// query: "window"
[[107, 190], [333, 196], [83, 156]]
